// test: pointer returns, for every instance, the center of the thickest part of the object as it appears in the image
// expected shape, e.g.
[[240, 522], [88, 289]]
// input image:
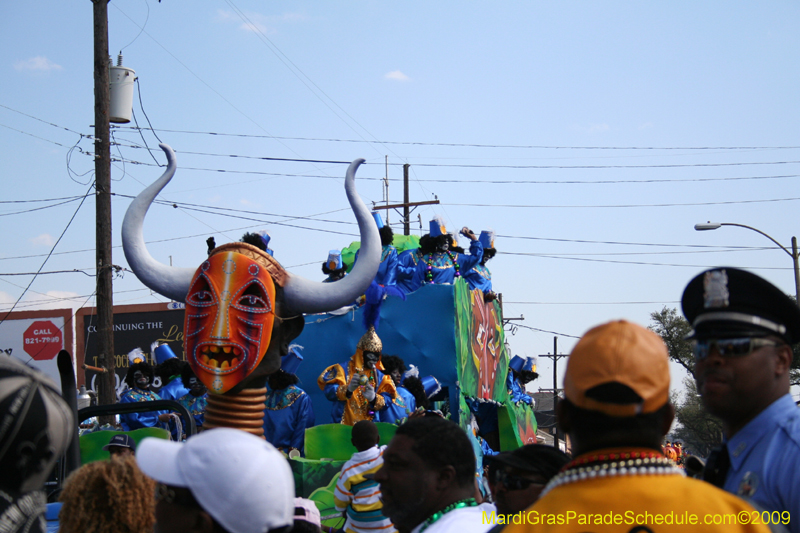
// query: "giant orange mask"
[[230, 311]]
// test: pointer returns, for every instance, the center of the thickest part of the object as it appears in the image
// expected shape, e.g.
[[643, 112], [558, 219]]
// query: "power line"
[[587, 303], [488, 166], [74, 270], [618, 206], [51, 252], [546, 331], [40, 200], [591, 260], [40, 120], [242, 113], [668, 252], [302, 76], [39, 208], [582, 241], [34, 136], [477, 145]]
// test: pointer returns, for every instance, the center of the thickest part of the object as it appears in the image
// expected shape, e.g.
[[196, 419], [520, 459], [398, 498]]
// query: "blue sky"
[[590, 136]]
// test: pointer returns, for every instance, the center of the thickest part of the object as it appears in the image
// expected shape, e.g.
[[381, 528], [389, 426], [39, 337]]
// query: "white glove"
[[353, 385], [369, 392]]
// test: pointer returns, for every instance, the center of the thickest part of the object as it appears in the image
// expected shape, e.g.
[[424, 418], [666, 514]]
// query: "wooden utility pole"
[[406, 212], [406, 204], [555, 357], [102, 170]]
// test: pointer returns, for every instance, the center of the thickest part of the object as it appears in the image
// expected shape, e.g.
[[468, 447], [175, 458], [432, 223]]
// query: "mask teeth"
[[221, 357]]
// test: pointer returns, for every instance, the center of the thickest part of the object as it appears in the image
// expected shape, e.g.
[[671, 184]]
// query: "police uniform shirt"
[[764, 456]]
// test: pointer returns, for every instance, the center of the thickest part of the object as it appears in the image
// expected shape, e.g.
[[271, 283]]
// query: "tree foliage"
[[673, 329], [699, 431]]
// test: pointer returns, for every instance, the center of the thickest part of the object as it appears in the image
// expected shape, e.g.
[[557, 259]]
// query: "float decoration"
[[242, 307]]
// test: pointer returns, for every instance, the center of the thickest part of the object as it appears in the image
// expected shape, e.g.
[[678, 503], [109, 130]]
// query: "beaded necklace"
[[613, 464], [429, 270], [469, 502]]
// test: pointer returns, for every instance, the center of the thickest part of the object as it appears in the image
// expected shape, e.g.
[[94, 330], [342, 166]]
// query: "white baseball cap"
[[241, 480]]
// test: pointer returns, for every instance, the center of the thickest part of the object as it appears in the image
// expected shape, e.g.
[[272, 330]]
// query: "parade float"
[[243, 310]]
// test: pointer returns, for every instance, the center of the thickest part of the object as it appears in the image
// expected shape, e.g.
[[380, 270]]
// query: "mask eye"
[[253, 299], [201, 294]]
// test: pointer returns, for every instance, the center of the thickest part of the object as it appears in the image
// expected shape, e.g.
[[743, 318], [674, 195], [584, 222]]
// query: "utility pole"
[[405, 205], [555, 356], [102, 169], [406, 213]]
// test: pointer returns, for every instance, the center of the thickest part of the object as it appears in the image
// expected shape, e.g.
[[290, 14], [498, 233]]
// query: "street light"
[[793, 254]]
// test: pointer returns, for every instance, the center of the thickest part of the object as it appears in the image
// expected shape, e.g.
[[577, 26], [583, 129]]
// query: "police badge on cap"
[[729, 301]]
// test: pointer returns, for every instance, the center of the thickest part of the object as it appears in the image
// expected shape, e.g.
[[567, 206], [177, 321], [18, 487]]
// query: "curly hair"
[[281, 379], [145, 368], [186, 374], [393, 362], [108, 497], [433, 244], [254, 239], [387, 235], [171, 367], [417, 389]]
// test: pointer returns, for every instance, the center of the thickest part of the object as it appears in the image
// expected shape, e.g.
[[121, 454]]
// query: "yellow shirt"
[[661, 502]]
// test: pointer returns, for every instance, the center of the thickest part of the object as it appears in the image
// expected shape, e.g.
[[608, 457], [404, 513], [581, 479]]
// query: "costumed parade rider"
[[362, 390], [407, 263], [196, 400], [404, 403], [439, 264], [169, 369], [289, 410], [334, 268], [479, 276], [139, 378], [260, 240], [521, 371]]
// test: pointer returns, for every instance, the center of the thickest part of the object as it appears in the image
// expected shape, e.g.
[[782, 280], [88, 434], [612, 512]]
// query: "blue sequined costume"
[[399, 408], [516, 392], [442, 268], [479, 277], [387, 271], [406, 267], [148, 419], [173, 390], [196, 405], [287, 414]]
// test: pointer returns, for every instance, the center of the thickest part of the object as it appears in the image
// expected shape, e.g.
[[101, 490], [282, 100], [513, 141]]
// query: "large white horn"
[[304, 296], [168, 281]]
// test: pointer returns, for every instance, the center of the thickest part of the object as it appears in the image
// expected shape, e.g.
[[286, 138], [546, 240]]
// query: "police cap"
[[727, 301]]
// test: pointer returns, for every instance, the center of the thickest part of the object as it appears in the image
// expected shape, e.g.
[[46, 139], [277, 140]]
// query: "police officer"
[[743, 332]]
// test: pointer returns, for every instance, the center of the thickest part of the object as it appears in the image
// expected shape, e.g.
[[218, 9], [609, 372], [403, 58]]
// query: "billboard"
[[135, 326]]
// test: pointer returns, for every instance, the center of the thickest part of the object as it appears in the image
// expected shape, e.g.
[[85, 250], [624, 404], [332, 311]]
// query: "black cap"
[[537, 458], [728, 301], [121, 440]]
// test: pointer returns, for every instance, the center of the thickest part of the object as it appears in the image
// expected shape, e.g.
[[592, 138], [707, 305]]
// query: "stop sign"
[[42, 340]]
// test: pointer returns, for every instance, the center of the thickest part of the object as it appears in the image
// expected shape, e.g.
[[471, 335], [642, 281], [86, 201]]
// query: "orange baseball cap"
[[619, 352]]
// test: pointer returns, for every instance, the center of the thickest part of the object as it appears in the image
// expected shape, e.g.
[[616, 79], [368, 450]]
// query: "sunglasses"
[[512, 482], [168, 494], [737, 347]]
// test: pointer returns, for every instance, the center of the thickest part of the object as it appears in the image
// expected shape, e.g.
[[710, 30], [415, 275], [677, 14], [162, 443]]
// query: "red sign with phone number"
[[42, 340]]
